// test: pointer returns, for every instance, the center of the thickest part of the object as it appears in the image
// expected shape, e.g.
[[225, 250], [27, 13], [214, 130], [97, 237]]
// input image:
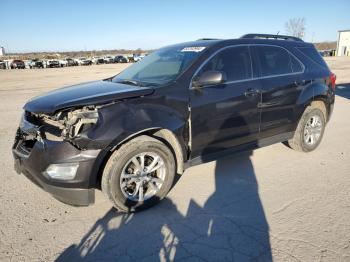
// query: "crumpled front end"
[[44, 151]]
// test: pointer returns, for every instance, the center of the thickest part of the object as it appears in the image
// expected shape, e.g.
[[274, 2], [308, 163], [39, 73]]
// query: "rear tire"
[[310, 130], [128, 180]]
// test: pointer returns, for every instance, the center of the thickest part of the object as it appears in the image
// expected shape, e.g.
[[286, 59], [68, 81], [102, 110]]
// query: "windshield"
[[160, 67]]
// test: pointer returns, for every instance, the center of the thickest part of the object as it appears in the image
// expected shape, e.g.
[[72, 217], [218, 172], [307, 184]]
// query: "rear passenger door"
[[281, 76]]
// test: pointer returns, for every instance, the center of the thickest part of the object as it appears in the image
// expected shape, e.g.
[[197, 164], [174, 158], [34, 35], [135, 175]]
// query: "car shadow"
[[343, 90], [231, 225]]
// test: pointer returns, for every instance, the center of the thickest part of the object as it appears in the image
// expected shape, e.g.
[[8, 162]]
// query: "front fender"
[[122, 121], [119, 121]]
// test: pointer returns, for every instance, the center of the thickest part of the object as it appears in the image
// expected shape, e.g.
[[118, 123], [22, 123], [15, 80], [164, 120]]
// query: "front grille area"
[[31, 118], [24, 143], [47, 130], [26, 147], [27, 134]]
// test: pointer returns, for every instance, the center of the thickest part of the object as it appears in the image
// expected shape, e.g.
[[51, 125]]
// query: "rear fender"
[[323, 92], [313, 91]]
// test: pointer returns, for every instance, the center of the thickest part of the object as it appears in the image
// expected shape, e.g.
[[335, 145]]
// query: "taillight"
[[333, 78]]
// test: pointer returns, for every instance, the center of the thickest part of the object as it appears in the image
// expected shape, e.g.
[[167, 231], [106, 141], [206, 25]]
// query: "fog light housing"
[[64, 171]]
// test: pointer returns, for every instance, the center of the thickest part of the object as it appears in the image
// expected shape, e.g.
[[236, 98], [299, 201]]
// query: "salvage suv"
[[130, 135]]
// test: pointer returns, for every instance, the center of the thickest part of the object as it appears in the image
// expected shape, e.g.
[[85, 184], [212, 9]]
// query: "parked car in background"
[[71, 62], [86, 61], [52, 63], [27, 63], [2, 64], [330, 52], [18, 64], [77, 60], [100, 60], [120, 59], [108, 59], [130, 59], [36, 63], [83, 61], [137, 57], [63, 62]]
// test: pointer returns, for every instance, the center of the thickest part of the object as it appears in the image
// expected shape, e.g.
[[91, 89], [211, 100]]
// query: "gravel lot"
[[269, 203]]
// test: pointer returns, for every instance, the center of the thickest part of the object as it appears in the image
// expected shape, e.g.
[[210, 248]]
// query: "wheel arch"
[[169, 138], [320, 103], [315, 94], [165, 135]]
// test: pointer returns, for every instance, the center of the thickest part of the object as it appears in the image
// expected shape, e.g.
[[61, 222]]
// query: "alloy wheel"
[[143, 176], [313, 130]]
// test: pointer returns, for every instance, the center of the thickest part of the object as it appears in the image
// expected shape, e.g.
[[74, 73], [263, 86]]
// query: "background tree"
[[296, 27]]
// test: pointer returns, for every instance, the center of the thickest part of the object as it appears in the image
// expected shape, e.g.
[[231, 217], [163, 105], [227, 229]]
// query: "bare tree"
[[296, 27]]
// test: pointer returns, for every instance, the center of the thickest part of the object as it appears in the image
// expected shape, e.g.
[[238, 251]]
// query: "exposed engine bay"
[[65, 124]]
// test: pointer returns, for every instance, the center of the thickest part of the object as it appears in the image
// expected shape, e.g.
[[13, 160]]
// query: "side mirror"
[[208, 78]]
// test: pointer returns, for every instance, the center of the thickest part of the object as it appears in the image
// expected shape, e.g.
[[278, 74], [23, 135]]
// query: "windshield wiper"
[[130, 82]]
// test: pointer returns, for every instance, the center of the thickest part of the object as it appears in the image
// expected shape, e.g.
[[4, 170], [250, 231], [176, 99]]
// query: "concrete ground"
[[271, 203]]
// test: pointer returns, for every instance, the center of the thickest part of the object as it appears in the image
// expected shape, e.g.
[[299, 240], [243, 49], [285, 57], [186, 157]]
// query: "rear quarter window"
[[313, 55], [275, 60]]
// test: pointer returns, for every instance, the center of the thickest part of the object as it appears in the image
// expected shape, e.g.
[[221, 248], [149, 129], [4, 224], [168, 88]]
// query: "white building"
[[2, 51], [343, 46]]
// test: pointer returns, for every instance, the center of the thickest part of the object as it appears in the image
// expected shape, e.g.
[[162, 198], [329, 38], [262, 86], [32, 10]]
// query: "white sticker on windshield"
[[193, 49]]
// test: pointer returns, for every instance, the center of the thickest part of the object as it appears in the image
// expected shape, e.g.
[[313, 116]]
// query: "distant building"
[[2, 51], [343, 46]]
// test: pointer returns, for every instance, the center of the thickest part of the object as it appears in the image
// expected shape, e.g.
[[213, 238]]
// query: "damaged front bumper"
[[33, 155]]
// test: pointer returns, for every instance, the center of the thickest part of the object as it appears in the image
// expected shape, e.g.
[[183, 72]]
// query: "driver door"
[[225, 114]]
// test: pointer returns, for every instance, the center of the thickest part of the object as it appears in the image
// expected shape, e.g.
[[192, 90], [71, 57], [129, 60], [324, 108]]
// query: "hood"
[[84, 94]]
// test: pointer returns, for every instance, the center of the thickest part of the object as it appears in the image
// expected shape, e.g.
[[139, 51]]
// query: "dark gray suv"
[[182, 105]]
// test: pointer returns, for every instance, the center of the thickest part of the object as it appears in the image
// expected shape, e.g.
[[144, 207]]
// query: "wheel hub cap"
[[312, 130], [142, 176]]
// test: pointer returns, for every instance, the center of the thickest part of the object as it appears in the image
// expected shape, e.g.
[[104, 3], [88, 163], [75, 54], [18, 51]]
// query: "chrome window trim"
[[251, 63]]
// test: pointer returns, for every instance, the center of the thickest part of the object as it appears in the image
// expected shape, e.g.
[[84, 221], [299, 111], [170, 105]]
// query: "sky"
[[73, 25]]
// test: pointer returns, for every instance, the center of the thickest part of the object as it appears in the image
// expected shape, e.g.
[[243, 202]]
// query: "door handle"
[[251, 92], [300, 82], [267, 105]]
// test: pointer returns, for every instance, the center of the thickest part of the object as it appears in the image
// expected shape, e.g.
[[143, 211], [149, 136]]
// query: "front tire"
[[310, 130], [139, 174]]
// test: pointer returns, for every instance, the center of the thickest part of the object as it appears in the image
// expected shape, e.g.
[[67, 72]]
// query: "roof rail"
[[268, 36], [207, 39]]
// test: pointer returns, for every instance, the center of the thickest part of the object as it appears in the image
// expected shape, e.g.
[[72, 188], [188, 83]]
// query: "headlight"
[[65, 171], [73, 122], [78, 120]]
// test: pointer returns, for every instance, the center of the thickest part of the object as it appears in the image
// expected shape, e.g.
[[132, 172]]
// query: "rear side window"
[[233, 62], [276, 61], [312, 54], [295, 64]]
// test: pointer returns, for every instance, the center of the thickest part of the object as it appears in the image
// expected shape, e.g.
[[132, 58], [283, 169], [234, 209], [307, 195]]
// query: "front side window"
[[234, 63], [276, 61]]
